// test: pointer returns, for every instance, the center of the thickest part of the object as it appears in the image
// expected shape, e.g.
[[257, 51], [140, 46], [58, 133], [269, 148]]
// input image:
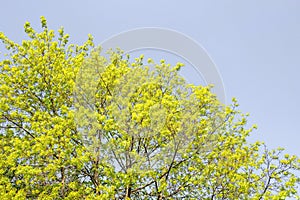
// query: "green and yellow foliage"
[[77, 125]]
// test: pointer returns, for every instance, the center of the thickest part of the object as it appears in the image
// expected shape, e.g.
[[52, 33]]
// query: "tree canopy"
[[75, 124]]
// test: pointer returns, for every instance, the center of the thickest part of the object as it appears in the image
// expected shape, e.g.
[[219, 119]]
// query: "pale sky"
[[255, 45]]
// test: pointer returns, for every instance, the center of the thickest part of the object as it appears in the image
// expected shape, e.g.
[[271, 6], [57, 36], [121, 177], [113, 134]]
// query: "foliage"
[[77, 125]]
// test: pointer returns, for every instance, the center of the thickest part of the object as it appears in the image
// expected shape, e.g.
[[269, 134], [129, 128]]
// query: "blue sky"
[[255, 45]]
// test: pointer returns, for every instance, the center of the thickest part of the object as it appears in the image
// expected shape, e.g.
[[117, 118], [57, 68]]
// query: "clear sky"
[[255, 45]]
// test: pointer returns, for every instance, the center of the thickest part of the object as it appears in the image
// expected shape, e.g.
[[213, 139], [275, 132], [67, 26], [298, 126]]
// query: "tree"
[[77, 125]]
